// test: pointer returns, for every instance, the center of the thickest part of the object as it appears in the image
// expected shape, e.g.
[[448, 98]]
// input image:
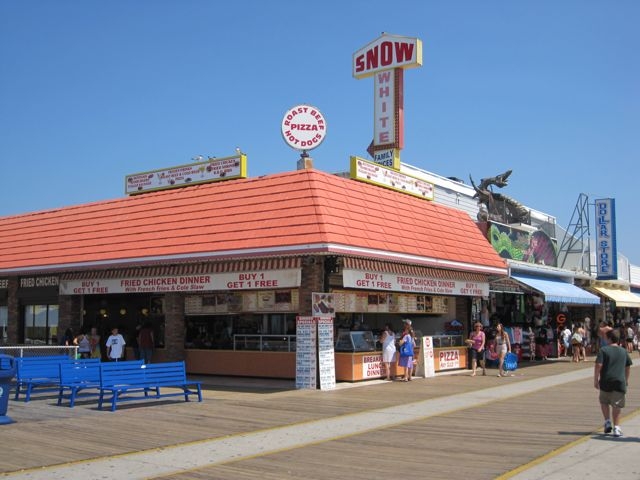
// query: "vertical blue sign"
[[606, 250]]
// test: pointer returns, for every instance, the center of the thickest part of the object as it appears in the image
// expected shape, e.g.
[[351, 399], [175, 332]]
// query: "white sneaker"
[[617, 432], [607, 426]]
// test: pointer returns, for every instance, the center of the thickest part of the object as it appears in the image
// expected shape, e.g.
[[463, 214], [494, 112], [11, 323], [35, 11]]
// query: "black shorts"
[[475, 354]]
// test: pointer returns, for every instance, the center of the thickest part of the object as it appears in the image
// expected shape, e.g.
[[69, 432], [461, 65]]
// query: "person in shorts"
[[477, 342], [611, 377], [115, 345]]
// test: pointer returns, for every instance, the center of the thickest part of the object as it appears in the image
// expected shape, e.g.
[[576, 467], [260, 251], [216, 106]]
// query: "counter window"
[[127, 312], [241, 332], [355, 341]]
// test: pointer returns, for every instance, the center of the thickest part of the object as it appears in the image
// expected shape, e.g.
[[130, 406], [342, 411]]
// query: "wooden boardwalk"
[[480, 442]]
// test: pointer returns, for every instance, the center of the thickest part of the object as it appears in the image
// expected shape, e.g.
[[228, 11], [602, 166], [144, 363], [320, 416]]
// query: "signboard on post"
[[385, 59], [306, 353], [606, 248], [315, 354], [427, 357], [303, 127], [387, 52], [326, 353]]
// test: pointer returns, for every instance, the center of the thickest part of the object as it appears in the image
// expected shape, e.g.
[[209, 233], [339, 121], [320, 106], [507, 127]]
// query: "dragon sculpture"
[[498, 207]]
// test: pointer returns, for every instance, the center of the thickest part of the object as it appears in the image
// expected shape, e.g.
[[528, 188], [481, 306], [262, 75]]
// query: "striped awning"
[[623, 298], [355, 263], [280, 263]]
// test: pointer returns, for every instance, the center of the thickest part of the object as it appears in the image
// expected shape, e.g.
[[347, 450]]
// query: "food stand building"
[[221, 270]]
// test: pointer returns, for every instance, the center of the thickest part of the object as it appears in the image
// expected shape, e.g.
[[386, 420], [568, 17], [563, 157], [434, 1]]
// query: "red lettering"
[[384, 77], [372, 58], [404, 51], [386, 53]]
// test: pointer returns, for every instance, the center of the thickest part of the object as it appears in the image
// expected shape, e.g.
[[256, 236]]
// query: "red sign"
[[449, 359], [385, 53], [386, 58], [303, 127]]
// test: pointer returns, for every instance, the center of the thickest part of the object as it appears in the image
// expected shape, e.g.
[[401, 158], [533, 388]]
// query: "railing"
[[265, 343], [39, 350]]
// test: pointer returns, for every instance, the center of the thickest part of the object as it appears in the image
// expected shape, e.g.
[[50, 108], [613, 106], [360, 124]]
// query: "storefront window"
[[4, 319], [127, 312], [41, 324]]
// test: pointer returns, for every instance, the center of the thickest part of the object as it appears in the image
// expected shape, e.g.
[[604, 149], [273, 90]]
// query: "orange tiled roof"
[[305, 211]]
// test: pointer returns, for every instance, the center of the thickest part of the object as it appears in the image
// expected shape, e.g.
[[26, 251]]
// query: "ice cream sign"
[[385, 59]]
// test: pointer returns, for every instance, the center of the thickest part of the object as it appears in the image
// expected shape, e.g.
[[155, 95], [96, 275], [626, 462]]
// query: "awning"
[[623, 298], [558, 291], [201, 268]]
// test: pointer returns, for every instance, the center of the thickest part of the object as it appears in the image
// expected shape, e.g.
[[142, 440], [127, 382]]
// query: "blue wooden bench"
[[78, 376], [142, 380], [42, 372]]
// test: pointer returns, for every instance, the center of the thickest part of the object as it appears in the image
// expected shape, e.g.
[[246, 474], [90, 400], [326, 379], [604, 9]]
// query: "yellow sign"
[[370, 172], [213, 170]]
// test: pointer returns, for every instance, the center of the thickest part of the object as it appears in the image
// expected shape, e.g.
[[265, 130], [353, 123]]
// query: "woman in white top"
[[388, 340], [503, 345]]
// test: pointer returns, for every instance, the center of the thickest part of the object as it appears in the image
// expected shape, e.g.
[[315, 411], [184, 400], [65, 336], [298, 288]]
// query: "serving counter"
[[449, 352], [358, 359]]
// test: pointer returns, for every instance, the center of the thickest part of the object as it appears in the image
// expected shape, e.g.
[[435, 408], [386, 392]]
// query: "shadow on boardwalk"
[[453, 426]]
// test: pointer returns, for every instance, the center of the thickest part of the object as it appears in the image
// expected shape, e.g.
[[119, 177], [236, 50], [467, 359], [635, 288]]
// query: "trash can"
[[7, 372]]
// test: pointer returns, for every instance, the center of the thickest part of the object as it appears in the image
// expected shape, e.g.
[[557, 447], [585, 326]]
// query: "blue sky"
[[91, 91]]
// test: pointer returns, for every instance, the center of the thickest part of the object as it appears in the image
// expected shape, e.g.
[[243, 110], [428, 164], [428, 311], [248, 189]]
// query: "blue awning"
[[558, 291]]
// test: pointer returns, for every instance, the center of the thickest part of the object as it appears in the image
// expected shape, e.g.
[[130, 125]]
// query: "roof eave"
[[290, 250]]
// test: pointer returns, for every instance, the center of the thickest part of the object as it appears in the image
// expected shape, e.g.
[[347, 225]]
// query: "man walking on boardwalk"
[[611, 377]]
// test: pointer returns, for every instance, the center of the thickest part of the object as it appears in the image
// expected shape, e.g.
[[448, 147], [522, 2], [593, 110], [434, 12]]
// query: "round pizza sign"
[[303, 127]]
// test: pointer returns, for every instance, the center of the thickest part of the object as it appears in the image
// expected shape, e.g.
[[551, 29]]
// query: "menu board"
[[266, 300], [306, 362], [394, 303], [326, 354], [249, 301], [345, 301], [323, 304], [237, 302]]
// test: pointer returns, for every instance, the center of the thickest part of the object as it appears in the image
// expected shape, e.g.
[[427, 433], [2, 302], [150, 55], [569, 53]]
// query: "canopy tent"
[[623, 298], [557, 291]]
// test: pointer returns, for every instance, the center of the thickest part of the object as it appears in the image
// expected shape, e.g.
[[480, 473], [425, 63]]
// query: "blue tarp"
[[557, 290]]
